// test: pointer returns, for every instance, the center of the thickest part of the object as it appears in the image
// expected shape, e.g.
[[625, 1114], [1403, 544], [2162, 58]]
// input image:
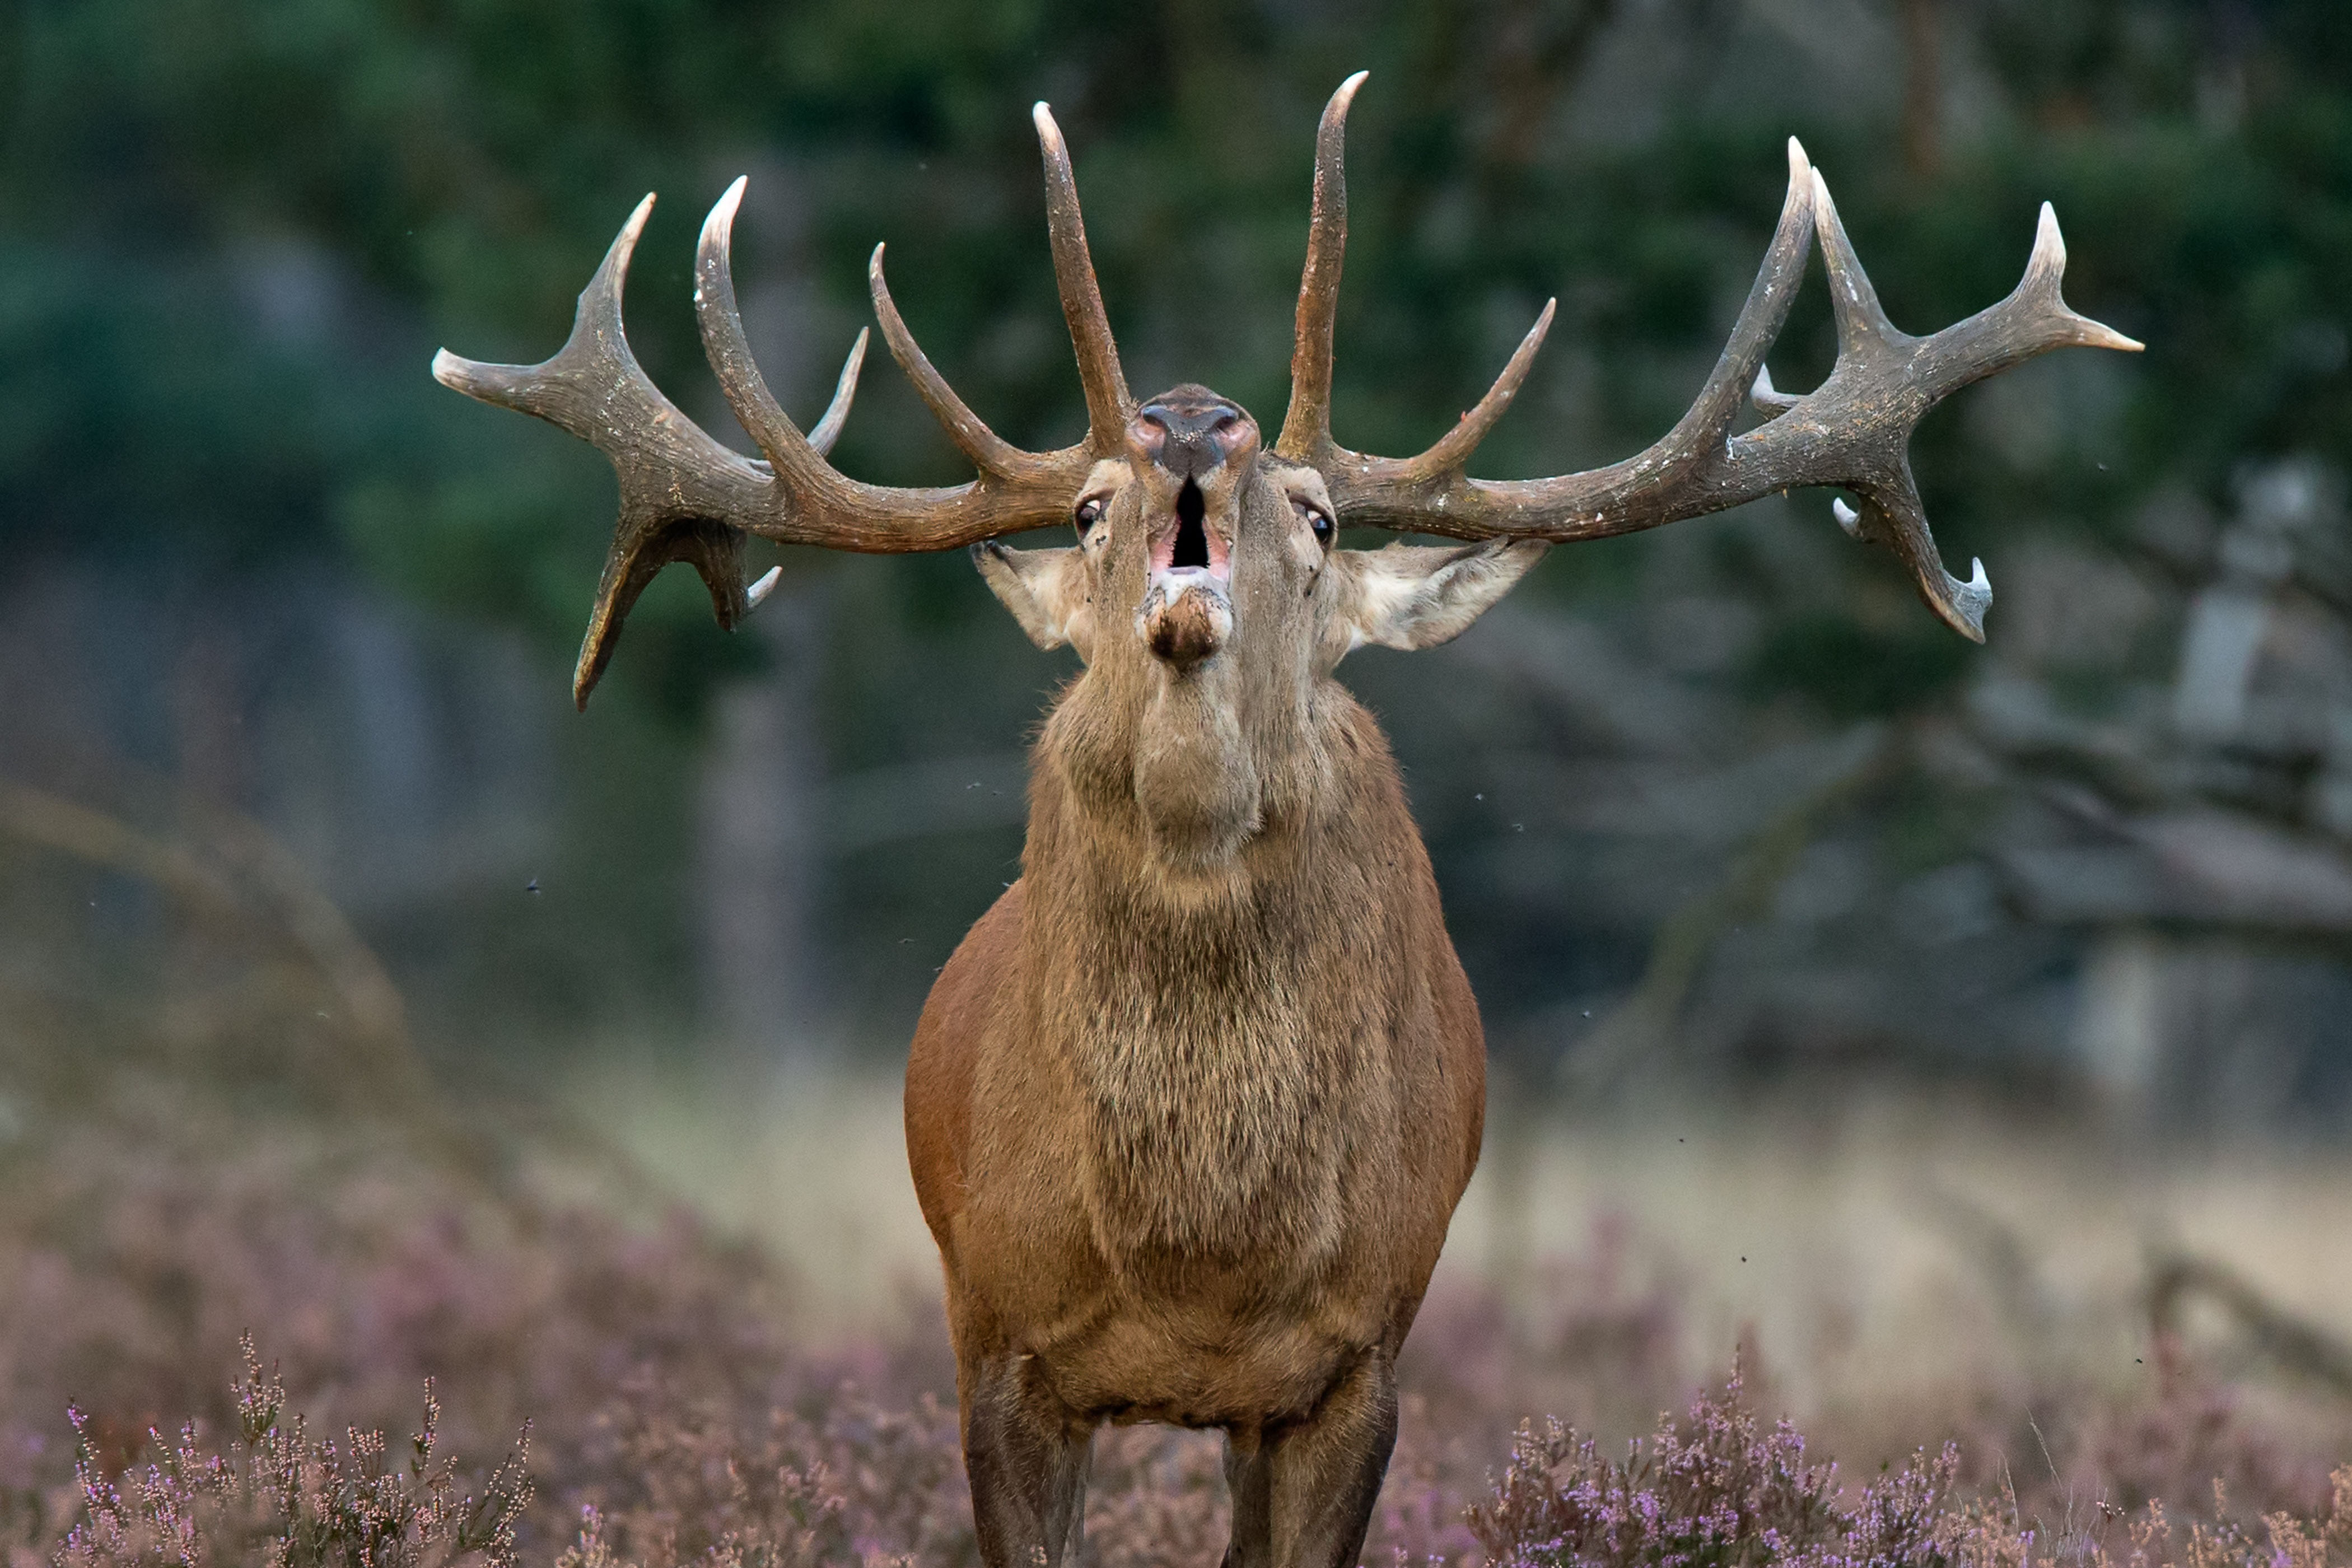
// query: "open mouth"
[[1187, 612], [1190, 545], [1192, 539]]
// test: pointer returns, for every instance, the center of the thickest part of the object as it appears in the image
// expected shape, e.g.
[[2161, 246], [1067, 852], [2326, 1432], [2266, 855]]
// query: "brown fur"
[[1189, 1109]]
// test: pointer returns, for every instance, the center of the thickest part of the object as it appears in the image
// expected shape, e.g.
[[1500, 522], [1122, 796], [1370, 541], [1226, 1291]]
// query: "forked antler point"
[[511, 385], [2046, 267]]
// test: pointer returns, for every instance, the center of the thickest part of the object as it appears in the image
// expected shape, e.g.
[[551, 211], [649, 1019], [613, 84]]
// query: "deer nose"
[[1190, 432]]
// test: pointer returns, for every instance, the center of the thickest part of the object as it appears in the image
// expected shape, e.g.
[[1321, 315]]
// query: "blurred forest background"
[[292, 797], [257, 560]]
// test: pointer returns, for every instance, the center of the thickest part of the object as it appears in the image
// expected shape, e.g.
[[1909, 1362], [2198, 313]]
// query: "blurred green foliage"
[[465, 161], [462, 163], [231, 233]]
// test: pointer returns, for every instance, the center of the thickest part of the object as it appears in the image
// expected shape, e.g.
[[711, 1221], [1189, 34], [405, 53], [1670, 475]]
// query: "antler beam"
[[1852, 432]]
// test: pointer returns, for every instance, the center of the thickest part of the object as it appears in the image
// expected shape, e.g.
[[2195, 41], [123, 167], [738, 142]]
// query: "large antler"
[[1853, 431], [685, 497]]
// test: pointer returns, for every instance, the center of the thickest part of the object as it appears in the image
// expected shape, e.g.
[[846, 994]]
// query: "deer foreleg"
[[1303, 1493], [1025, 1453]]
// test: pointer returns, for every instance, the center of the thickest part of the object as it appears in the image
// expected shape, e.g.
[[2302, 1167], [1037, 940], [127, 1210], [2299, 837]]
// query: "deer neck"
[[1204, 770], [1211, 1011]]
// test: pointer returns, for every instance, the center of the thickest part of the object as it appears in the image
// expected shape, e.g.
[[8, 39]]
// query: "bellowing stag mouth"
[[1196, 444], [1188, 613], [1187, 543]]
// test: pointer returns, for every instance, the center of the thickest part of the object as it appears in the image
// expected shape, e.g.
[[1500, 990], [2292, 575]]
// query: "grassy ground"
[[715, 1311]]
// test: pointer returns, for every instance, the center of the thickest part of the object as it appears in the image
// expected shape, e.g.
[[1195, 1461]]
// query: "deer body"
[[1193, 1142], [1188, 1110]]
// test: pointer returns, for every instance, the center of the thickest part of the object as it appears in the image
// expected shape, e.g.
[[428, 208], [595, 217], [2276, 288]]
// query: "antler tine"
[[989, 452], [1892, 515], [1699, 433], [1769, 401], [728, 348], [827, 430], [1453, 448], [1306, 426], [1862, 324], [2033, 319], [821, 438], [1108, 405]]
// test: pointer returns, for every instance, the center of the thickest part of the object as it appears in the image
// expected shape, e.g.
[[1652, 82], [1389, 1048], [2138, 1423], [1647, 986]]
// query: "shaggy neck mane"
[[1178, 802], [1211, 1011]]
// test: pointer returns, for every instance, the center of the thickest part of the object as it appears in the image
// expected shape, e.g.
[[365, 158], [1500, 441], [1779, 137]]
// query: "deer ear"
[[1410, 596], [1046, 591]]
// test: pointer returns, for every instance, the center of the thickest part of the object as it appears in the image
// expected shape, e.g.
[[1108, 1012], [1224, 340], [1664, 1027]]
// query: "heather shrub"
[[1994, 1536], [134, 1253], [1156, 1499], [2196, 1438], [1594, 1336], [1716, 1489], [277, 1496], [839, 1478]]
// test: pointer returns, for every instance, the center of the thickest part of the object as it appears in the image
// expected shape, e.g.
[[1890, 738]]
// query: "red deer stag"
[[1190, 1107]]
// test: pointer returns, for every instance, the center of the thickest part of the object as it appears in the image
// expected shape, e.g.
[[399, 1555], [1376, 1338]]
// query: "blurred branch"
[[35, 816], [235, 872], [1644, 1020], [1999, 1253], [304, 916], [2291, 1342]]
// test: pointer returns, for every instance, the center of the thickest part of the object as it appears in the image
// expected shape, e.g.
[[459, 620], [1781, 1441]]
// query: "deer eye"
[[1089, 512], [1317, 519]]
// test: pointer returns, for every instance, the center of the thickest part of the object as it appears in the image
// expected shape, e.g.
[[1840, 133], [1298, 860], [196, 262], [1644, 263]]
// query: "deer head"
[[1208, 598], [1204, 571]]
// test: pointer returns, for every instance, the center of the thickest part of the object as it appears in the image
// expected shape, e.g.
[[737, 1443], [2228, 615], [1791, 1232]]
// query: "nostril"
[[1185, 422], [1192, 539]]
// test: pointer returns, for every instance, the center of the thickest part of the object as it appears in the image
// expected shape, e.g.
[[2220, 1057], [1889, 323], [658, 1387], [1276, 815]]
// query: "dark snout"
[[1191, 432]]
